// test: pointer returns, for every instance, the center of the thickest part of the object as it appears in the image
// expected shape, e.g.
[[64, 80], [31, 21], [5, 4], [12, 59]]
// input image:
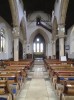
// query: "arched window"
[[38, 46], [2, 40]]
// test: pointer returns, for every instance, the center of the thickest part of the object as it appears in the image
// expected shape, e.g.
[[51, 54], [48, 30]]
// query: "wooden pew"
[[61, 73], [68, 93], [62, 82], [26, 63], [17, 72], [65, 89], [4, 92], [54, 72], [56, 69], [12, 82], [59, 68], [23, 73], [22, 69], [49, 63], [10, 78]]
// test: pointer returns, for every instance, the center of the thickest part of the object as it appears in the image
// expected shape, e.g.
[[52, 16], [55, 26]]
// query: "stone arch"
[[36, 14], [72, 40], [42, 32], [54, 28], [64, 7], [23, 27], [45, 36], [14, 12]]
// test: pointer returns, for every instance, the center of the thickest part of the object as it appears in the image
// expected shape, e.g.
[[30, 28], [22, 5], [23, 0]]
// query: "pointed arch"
[[42, 32], [54, 28], [72, 40], [23, 27]]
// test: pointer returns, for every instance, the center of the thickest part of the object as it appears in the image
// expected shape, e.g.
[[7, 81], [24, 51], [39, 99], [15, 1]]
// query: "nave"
[[37, 85]]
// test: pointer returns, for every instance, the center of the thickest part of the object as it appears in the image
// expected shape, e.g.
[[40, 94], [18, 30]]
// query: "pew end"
[[4, 92]]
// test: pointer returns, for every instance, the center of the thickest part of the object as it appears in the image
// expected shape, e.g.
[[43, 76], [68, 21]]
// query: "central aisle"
[[37, 85]]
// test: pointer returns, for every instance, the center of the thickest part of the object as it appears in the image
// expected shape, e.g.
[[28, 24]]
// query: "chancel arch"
[[48, 47]]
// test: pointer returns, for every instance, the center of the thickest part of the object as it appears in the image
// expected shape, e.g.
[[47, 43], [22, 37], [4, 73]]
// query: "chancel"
[[36, 49]]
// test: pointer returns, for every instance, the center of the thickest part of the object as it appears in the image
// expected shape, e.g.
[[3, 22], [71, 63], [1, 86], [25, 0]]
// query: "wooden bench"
[[22, 69], [26, 63], [4, 92], [68, 93], [12, 83], [53, 72], [49, 63], [58, 75], [62, 77], [62, 82]]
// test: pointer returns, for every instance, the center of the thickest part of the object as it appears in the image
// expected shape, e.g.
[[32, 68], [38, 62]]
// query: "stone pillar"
[[61, 36], [14, 11], [24, 49], [61, 46], [53, 50], [46, 49], [49, 50], [16, 43], [16, 49]]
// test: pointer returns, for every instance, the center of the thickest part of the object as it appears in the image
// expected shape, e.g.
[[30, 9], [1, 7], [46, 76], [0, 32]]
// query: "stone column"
[[46, 50], [14, 11], [24, 49], [53, 50], [61, 36], [16, 49], [61, 46], [49, 50], [16, 43]]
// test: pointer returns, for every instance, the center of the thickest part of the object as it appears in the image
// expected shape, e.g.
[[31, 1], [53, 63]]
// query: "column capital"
[[53, 41], [16, 36], [61, 31], [16, 32], [61, 35], [61, 25], [61, 28]]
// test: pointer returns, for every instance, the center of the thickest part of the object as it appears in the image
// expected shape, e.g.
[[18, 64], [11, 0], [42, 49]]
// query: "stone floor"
[[37, 85]]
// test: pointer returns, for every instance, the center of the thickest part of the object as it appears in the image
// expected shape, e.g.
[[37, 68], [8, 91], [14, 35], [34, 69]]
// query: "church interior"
[[36, 49]]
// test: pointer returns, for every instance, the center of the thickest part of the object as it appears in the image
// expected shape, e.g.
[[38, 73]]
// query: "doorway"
[[57, 49], [20, 50]]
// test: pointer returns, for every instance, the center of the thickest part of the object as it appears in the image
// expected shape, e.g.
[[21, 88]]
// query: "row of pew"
[[12, 77], [62, 77]]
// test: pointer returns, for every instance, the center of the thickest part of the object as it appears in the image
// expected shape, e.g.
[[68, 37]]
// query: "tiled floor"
[[37, 85]]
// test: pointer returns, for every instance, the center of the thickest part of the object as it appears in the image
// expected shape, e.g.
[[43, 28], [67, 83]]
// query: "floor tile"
[[37, 85]]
